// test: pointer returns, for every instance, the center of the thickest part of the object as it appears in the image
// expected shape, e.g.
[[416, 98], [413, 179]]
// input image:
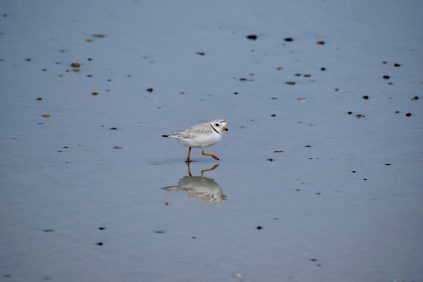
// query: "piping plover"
[[201, 136]]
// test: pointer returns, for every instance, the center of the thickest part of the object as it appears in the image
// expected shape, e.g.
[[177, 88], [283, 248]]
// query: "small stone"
[[113, 128], [238, 275], [48, 230], [28, 59], [290, 82], [414, 98], [397, 112], [252, 37], [313, 259], [365, 97], [350, 113], [307, 146], [321, 42], [322, 69], [387, 164], [44, 69], [100, 244], [236, 93], [278, 151], [298, 190], [353, 171], [384, 62], [45, 115], [336, 89], [75, 65], [270, 160], [150, 90], [397, 65], [98, 35], [408, 114], [94, 93], [117, 147], [279, 68], [386, 77], [243, 79], [161, 231], [273, 115], [200, 53], [90, 59], [89, 75], [39, 98], [289, 39], [102, 228], [307, 75], [259, 227], [297, 74], [318, 193]]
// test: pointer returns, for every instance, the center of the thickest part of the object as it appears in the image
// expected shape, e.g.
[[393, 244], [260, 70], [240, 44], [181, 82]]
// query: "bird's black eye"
[[216, 124]]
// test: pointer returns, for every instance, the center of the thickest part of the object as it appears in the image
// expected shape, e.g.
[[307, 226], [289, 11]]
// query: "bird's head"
[[220, 125]]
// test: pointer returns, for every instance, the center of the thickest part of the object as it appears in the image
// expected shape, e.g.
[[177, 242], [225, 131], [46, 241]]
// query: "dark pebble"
[[365, 179], [298, 190], [89, 75], [390, 83], [236, 93], [194, 237], [321, 42], [273, 115], [397, 112], [270, 160], [44, 69], [94, 93], [39, 98], [290, 82], [102, 228], [388, 164], [307, 146], [150, 90], [318, 193], [336, 89], [252, 37], [298, 74], [201, 53], [350, 113], [98, 35], [159, 231], [278, 151], [259, 227], [117, 147], [386, 77], [365, 97], [322, 69], [242, 79], [307, 75], [90, 59], [408, 114], [275, 218], [397, 65], [48, 230], [384, 62], [28, 59], [313, 259], [414, 98], [113, 128], [289, 39], [100, 244]]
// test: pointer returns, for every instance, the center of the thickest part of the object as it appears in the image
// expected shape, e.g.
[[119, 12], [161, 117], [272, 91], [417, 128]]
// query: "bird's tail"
[[165, 135]]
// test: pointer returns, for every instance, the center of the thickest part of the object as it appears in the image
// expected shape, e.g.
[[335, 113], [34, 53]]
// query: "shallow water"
[[314, 182]]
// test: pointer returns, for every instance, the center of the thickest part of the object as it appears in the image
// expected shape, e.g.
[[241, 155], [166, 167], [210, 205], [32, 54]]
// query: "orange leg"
[[210, 155], [188, 160]]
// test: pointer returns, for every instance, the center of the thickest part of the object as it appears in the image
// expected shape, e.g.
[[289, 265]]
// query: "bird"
[[201, 136]]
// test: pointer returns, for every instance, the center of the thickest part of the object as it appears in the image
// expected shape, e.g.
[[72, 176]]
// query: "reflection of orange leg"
[[210, 155], [188, 160]]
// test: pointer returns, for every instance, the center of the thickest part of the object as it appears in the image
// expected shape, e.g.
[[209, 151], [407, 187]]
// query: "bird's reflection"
[[203, 188]]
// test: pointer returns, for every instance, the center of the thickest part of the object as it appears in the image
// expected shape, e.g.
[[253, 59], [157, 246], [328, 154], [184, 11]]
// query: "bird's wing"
[[194, 131]]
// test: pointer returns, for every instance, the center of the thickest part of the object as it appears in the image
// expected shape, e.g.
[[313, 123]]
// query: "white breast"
[[202, 140]]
